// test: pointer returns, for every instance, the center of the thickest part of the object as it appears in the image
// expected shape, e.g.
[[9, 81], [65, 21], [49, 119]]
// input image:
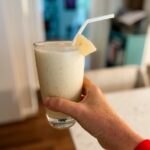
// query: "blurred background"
[[121, 63]]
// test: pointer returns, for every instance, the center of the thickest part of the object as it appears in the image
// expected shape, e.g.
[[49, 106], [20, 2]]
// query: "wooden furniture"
[[34, 134]]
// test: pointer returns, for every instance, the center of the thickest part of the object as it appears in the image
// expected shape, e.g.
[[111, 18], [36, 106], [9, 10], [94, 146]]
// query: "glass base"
[[61, 123]]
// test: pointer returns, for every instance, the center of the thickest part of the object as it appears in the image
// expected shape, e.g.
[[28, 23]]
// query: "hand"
[[96, 116]]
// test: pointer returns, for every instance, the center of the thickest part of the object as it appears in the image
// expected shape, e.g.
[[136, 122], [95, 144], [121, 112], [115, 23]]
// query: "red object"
[[144, 145]]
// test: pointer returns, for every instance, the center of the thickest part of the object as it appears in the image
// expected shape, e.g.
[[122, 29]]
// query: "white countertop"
[[133, 106]]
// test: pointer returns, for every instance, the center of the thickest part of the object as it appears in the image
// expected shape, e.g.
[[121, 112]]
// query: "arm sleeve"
[[144, 145]]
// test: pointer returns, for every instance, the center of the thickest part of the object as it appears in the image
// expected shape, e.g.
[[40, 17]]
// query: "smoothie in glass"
[[60, 69]]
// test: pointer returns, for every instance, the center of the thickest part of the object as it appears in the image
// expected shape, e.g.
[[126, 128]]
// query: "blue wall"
[[64, 17]]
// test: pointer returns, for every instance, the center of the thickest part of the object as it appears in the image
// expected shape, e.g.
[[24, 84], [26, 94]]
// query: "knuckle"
[[81, 109], [59, 103], [56, 102], [95, 88]]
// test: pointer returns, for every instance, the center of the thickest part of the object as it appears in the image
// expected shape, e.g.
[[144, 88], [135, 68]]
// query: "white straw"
[[91, 20]]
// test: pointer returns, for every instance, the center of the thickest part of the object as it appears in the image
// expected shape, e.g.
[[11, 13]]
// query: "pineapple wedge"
[[84, 45]]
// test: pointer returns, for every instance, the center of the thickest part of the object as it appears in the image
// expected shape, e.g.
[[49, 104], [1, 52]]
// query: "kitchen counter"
[[132, 105]]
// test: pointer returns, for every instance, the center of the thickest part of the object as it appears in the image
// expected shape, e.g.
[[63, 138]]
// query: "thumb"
[[62, 105]]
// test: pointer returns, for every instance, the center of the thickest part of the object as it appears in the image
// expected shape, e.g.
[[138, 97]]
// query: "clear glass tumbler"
[[60, 69]]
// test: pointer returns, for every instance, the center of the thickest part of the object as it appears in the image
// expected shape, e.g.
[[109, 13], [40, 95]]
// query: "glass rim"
[[54, 46], [40, 43]]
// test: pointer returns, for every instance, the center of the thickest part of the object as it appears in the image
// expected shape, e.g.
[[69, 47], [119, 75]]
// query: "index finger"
[[87, 84]]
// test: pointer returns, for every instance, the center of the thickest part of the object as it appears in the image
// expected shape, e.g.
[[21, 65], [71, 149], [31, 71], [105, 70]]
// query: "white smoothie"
[[60, 69]]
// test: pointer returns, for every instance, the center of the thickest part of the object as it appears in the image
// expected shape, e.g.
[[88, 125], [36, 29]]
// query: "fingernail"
[[46, 101]]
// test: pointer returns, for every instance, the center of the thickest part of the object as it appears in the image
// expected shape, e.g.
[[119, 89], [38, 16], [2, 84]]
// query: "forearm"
[[119, 136]]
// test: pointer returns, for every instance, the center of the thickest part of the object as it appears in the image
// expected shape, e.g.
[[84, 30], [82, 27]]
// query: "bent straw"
[[91, 20]]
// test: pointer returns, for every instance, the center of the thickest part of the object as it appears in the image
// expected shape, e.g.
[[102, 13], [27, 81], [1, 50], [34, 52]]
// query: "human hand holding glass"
[[96, 116]]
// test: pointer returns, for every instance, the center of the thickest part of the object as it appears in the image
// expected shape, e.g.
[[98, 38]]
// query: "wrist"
[[119, 137], [125, 143]]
